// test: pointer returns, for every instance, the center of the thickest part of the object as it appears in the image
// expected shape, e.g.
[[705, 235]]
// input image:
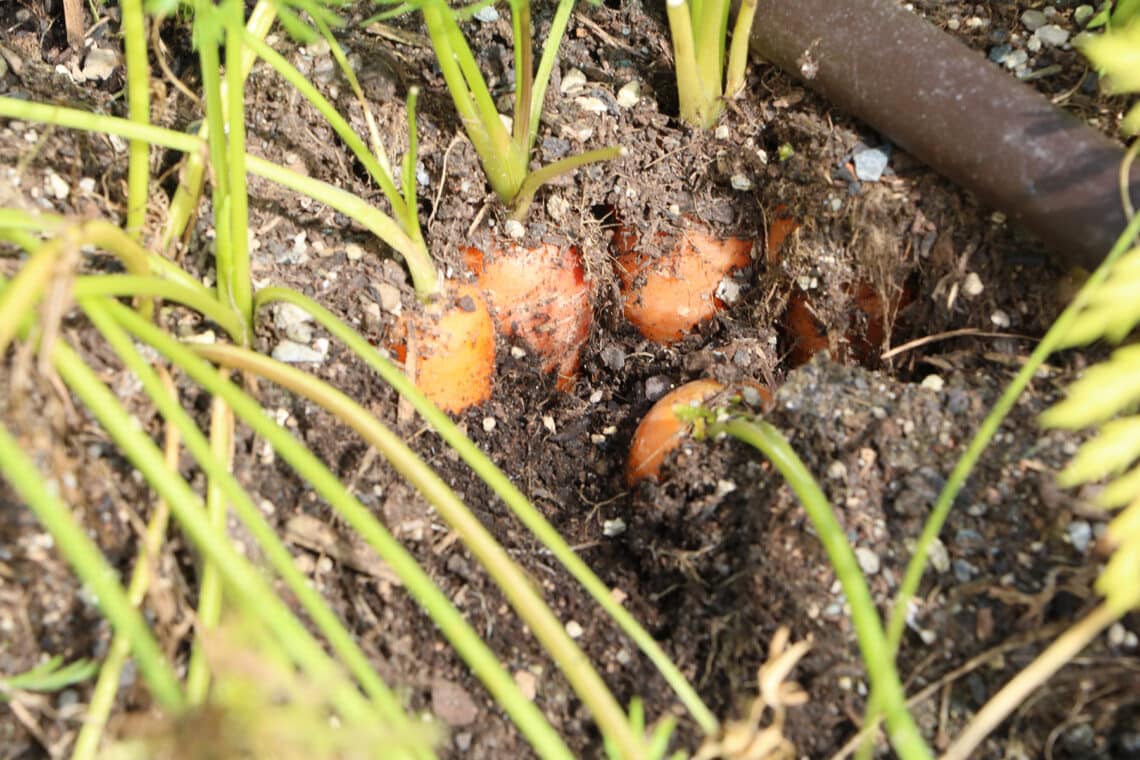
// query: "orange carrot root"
[[454, 348], [660, 431], [666, 296], [540, 295]]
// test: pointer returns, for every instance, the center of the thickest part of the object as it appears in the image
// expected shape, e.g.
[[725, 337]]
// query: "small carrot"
[[449, 348], [665, 296], [779, 231], [542, 296], [660, 431], [806, 336]]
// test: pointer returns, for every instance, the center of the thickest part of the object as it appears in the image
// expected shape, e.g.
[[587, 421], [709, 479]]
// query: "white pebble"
[[939, 557], [868, 561], [572, 80], [933, 382], [613, 528], [972, 286], [291, 352], [590, 104], [629, 94], [1052, 35], [740, 182]]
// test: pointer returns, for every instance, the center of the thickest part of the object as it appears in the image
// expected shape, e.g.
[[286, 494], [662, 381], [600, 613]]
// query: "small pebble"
[[572, 80], [837, 470], [629, 94], [1033, 20], [868, 561], [1016, 59], [740, 182], [452, 704], [656, 386], [514, 229], [557, 207], [1116, 633], [291, 352], [590, 104], [527, 684], [1080, 535], [964, 571], [388, 297], [933, 382], [939, 557], [750, 395], [487, 14], [972, 286], [574, 630], [57, 186], [613, 357], [100, 63], [728, 290], [1000, 319], [293, 321], [1052, 35], [488, 424], [1082, 14], [870, 163], [613, 528], [998, 53]]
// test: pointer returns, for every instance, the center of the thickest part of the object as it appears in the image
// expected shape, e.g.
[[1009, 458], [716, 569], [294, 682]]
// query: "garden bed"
[[718, 555]]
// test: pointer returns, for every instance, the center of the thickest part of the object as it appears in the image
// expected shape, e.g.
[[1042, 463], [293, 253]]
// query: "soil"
[[716, 556]]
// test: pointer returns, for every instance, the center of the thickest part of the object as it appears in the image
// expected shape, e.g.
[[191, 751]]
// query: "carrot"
[[665, 296], [540, 295], [779, 231], [660, 431], [449, 348], [867, 343], [806, 336], [864, 338]]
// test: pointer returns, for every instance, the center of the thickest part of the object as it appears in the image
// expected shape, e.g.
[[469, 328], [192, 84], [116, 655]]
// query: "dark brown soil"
[[719, 554]]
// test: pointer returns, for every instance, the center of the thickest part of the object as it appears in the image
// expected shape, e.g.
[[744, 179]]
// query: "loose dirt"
[[718, 555]]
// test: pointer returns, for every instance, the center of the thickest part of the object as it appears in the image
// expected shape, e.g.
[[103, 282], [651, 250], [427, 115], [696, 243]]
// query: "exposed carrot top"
[[504, 150]]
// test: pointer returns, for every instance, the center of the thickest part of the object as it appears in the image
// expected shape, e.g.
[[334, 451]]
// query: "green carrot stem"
[[878, 656]]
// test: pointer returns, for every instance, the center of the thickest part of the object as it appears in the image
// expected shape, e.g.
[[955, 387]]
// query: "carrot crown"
[[699, 28], [503, 144]]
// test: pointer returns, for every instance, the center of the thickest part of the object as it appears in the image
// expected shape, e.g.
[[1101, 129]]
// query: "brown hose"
[[957, 112]]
